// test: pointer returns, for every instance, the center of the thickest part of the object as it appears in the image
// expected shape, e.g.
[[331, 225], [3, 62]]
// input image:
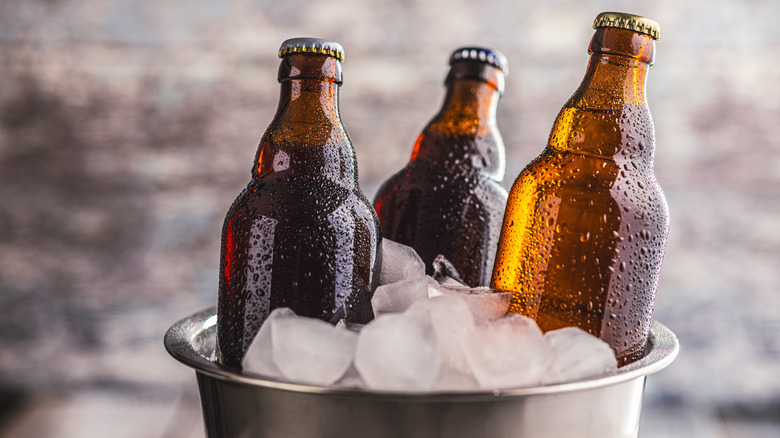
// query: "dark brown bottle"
[[448, 199], [586, 222], [301, 235]]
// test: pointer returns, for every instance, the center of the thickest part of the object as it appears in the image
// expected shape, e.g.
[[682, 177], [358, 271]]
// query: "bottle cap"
[[628, 21], [312, 45], [481, 54]]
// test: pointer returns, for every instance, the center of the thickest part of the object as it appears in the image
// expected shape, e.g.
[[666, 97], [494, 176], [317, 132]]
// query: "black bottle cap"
[[481, 54]]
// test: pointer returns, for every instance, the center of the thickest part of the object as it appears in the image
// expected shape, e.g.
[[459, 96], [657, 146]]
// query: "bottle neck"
[[306, 135], [608, 115], [469, 107], [309, 90], [312, 102], [473, 91], [464, 132]]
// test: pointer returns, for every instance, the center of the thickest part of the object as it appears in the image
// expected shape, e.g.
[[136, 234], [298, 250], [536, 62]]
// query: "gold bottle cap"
[[312, 45], [628, 21]]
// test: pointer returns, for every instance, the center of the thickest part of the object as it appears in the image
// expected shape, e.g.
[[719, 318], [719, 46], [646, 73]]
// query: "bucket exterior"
[[241, 405]]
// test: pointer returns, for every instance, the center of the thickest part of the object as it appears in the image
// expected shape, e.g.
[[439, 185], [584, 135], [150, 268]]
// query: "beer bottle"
[[585, 226], [448, 199], [301, 235]]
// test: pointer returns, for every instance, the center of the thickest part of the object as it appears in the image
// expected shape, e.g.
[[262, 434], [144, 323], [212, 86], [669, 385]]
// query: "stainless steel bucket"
[[242, 405]]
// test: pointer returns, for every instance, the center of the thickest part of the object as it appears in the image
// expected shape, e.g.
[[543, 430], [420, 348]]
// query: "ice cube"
[[398, 296], [399, 262], [448, 281], [259, 356], [312, 351], [507, 352], [451, 379], [485, 303], [398, 352], [578, 355], [350, 379], [351, 326], [443, 269], [451, 318]]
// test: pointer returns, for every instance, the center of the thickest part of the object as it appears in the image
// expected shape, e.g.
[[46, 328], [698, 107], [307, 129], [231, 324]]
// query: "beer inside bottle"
[[448, 199], [586, 223], [301, 235]]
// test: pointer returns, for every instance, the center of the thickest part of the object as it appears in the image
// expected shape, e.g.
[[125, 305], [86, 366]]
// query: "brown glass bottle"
[[448, 199], [586, 223], [301, 235]]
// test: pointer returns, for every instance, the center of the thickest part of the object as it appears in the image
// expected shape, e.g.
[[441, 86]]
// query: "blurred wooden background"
[[127, 128]]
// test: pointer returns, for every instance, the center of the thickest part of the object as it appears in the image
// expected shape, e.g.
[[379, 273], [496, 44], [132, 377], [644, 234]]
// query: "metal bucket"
[[244, 405]]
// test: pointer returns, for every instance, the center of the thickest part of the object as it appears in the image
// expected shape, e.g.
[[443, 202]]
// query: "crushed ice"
[[430, 333]]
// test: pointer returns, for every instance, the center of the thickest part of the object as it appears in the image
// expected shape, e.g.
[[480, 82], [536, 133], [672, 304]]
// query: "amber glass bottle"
[[448, 199], [585, 226], [302, 234]]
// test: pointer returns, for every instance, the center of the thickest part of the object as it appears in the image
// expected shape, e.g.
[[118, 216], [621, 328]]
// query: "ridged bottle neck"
[[311, 101], [306, 135], [473, 91], [309, 89], [464, 132], [468, 108]]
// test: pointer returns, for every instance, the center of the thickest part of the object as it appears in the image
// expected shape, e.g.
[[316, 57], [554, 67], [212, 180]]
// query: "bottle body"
[[301, 235], [448, 199], [586, 222], [302, 243], [456, 214]]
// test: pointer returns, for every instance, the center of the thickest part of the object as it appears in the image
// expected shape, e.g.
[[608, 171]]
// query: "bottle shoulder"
[[461, 153], [622, 134], [302, 198], [569, 174], [292, 133], [432, 181], [455, 170], [306, 158]]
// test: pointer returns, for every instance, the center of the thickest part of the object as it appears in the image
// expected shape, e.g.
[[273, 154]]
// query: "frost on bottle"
[[448, 199], [302, 234], [586, 223]]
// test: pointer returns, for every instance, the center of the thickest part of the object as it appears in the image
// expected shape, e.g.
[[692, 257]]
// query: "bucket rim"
[[663, 347]]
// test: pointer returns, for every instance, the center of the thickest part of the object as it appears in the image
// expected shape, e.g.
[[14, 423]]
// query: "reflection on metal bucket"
[[242, 405]]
